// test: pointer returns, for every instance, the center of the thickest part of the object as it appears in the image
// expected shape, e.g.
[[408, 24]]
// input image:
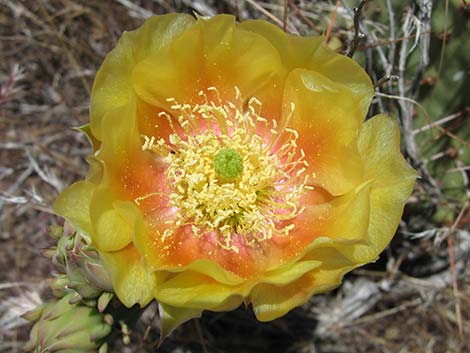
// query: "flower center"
[[233, 175], [228, 164]]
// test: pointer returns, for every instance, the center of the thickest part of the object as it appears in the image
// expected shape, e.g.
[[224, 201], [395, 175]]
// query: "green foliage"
[[445, 91], [442, 90]]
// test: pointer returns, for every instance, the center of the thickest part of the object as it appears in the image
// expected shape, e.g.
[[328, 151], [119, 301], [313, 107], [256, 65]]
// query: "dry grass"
[[411, 300]]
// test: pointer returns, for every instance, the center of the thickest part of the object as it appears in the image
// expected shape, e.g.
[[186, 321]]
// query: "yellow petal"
[[121, 138], [74, 205], [349, 217], [235, 57], [310, 53], [150, 246], [171, 317], [392, 183], [287, 274], [295, 51], [347, 72], [342, 220], [127, 169], [379, 146], [112, 87], [327, 125], [386, 209], [210, 269], [271, 301], [170, 74], [338, 169], [86, 129], [95, 173], [222, 56], [112, 230], [193, 290], [131, 281]]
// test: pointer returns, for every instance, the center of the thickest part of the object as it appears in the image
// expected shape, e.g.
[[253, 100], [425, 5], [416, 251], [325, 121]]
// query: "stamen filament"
[[225, 176]]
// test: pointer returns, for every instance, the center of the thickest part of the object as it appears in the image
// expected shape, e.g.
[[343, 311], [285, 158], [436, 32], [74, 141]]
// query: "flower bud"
[[80, 263], [62, 327]]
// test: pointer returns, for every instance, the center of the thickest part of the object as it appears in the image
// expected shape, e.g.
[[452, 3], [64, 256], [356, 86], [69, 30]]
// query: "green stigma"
[[228, 164]]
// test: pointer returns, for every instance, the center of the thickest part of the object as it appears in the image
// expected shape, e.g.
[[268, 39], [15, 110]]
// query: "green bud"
[[64, 327], [103, 348], [104, 300], [80, 264], [35, 314], [87, 273], [59, 285]]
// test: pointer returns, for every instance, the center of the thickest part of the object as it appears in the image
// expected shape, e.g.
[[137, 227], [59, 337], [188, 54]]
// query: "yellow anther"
[[240, 199]]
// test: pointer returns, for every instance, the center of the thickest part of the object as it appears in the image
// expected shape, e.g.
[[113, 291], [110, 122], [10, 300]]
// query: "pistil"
[[228, 164]]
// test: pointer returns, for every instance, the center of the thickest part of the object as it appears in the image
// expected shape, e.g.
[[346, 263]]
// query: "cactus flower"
[[232, 164]]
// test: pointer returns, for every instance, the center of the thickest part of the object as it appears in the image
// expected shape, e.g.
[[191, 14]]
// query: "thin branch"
[[332, 21], [434, 124], [388, 42], [465, 177], [270, 15], [237, 10], [392, 47], [304, 17], [386, 79], [426, 115], [444, 40], [358, 35], [286, 14], [200, 335], [424, 25], [406, 108], [19, 181], [455, 288], [373, 37]]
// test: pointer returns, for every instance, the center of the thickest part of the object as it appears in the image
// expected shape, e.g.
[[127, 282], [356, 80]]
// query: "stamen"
[[224, 178], [142, 198]]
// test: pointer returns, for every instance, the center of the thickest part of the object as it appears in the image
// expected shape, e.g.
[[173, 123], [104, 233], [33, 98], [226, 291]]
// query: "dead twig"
[[387, 42], [426, 115], [286, 14], [358, 35], [268, 14], [135, 10], [9, 89], [386, 79], [237, 10], [200, 336], [438, 122], [406, 108], [392, 45], [455, 287], [388, 312], [302, 15], [331, 23]]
